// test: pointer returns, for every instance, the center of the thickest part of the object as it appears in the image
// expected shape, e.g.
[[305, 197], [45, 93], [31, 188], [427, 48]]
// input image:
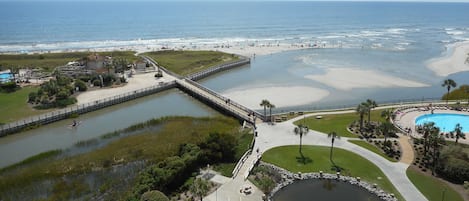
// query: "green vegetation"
[[372, 148], [54, 93], [336, 122], [15, 105], [49, 61], [244, 143], [432, 187], [144, 145], [32, 159], [188, 62], [318, 160], [461, 93]]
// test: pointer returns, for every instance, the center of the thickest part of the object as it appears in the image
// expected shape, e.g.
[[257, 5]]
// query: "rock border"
[[289, 178]]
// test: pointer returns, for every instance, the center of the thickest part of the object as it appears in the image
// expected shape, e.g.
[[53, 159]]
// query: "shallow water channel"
[[59, 135]]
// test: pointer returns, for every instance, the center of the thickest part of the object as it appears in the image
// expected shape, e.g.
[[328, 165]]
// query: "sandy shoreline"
[[351, 78], [456, 61]]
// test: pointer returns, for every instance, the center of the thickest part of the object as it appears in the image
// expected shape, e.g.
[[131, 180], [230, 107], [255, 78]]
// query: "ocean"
[[387, 38], [29, 26]]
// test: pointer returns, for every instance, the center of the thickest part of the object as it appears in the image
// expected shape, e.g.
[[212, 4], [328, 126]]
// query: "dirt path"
[[407, 150]]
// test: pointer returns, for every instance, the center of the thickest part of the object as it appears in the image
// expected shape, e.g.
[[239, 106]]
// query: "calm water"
[[393, 38], [323, 190], [59, 135], [446, 122]]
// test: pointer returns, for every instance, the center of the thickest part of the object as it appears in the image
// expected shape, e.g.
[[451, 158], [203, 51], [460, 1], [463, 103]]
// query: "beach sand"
[[456, 61], [350, 78], [279, 96], [136, 82]]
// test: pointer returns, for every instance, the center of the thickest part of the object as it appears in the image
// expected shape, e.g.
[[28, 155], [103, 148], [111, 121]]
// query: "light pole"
[[443, 195]]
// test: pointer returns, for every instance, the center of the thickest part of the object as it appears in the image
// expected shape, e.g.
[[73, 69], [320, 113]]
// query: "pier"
[[187, 84]]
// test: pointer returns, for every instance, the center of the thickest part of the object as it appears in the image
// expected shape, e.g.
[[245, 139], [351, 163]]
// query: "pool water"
[[4, 77], [446, 122]]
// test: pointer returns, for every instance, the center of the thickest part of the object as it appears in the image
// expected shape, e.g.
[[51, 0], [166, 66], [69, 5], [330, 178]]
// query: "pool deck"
[[406, 119]]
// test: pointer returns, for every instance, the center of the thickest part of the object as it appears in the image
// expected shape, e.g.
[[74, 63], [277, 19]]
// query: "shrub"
[[32, 97], [154, 196], [81, 85]]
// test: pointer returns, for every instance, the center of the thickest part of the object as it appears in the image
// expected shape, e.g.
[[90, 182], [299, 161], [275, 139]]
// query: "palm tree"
[[333, 135], [467, 91], [429, 129], [458, 132], [435, 140], [301, 130], [386, 129], [264, 103], [199, 188], [371, 104], [388, 114], [361, 110], [448, 83], [270, 106]]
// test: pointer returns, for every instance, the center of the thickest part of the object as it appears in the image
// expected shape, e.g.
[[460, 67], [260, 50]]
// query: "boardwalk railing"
[[224, 99], [222, 67], [81, 109]]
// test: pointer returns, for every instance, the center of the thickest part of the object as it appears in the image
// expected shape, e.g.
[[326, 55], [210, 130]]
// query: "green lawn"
[[372, 148], [337, 122], [318, 160], [188, 62], [431, 187], [49, 61], [14, 106]]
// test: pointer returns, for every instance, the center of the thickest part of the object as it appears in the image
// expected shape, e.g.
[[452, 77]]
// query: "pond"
[[323, 190]]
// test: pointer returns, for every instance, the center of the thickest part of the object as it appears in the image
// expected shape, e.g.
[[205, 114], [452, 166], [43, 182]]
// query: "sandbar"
[[351, 78], [278, 95], [456, 61]]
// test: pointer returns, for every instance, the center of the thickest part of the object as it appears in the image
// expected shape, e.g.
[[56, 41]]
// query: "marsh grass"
[[147, 146]]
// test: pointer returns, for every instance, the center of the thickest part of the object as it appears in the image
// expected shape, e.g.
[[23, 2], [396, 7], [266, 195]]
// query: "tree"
[[386, 129], [199, 188], [265, 103], [448, 83], [154, 196], [333, 135], [370, 105], [301, 130], [32, 97], [270, 106], [388, 114], [428, 130], [467, 92], [458, 132], [435, 140], [361, 110], [81, 85]]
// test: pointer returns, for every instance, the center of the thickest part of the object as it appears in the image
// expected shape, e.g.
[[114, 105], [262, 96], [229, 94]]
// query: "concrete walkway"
[[280, 134]]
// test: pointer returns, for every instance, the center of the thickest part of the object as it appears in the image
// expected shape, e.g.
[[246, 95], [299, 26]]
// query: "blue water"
[[4, 77], [446, 122], [393, 38], [28, 26]]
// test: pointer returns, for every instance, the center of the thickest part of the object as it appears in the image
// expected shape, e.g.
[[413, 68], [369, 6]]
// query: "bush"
[[455, 170], [154, 196], [32, 97], [9, 87], [97, 83], [81, 85]]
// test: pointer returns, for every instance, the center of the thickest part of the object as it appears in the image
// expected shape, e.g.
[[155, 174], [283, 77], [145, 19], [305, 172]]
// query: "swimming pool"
[[446, 122], [5, 77]]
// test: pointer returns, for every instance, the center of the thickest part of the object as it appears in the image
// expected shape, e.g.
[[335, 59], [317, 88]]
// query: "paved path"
[[281, 134]]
